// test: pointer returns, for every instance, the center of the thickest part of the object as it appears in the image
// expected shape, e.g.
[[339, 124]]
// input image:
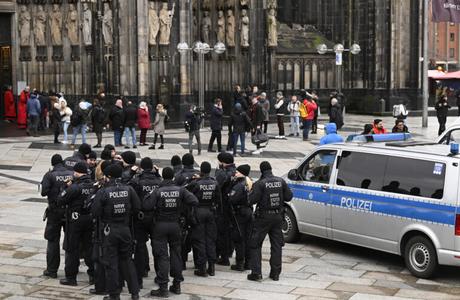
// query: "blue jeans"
[[242, 137], [65, 127], [79, 129], [130, 131], [117, 136], [306, 128]]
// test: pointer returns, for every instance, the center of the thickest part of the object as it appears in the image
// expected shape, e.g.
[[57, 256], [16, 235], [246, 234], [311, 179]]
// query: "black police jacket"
[[71, 161], [127, 174], [145, 183], [116, 203], [207, 191], [53, 182], [269, 193], [78, 194], [238, 195], [168, 201], [185, 175]]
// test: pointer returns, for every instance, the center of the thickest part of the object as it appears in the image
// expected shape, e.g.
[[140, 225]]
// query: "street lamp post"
[[338, 50], [201, 49]]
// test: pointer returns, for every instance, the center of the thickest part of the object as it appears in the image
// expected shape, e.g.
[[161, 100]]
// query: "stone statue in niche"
[[272, 4], [244, 2], [206, 4], [221, 27], [230, 29], [272, 28], [205, 26], [56, 25], [220, 4], [24, 26], [107, 25], [40, 26], [244, 28], [72, 25], [230, 3], [154, 24], [87, 25], [166, 17]]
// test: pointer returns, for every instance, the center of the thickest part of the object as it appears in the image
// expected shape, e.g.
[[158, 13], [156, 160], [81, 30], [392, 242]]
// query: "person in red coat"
[[143, 121], [8, 100], [22, 108]]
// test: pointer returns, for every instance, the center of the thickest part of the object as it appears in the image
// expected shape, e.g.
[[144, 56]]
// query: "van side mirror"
[[293, 175]]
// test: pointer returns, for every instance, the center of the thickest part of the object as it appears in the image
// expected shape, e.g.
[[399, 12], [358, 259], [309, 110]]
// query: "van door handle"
[[325, 188]]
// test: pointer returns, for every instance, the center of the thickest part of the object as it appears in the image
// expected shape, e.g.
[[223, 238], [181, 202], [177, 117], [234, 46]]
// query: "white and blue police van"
[[398, 197]]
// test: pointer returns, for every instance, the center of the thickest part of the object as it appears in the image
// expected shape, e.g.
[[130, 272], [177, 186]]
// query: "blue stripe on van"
[[431, 212]]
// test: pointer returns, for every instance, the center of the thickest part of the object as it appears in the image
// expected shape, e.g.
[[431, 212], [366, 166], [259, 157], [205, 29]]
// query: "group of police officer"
[[111, 208]]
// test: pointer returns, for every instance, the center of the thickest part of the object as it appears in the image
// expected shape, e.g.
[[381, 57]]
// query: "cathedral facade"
[[128, 48]]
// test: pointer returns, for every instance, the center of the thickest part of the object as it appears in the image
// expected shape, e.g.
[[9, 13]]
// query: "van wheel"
[[290, 229], [420, 257]]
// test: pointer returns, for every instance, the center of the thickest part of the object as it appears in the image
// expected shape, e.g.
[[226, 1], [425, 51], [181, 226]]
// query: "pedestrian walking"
[[216, 125], [55, 118], [79, 120], [10, 109], [400, 127], [22, 108], [115, 204], [143, 122], [442, 109], [129, 124], [33, 112], [51, 185], [265, 104], [331, 136], [309, 105], [280, 108], [239, 123], [314, 123], [117, 117], [269, 194], [159, 126], [168, 201], [193, 118], [98, 118], [44, 99], [294, 114], [257, 118], [66, 114], [335, 114]]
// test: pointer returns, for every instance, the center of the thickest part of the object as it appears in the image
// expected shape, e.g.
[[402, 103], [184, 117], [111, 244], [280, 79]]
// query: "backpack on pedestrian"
[[400, 111], [76, 118]]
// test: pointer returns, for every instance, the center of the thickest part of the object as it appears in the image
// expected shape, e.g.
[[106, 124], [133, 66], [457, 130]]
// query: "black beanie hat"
[[104, 166], [129, 157], [244, 169], [109, 147], [188, 159], [92, 155], [81, 167], [220, 156], [106, 154], [56, 159], [146, 163], [205, 167], [176, 161], [167, 173], [227, 158], [84, 149], [265, 166], [114, 171]]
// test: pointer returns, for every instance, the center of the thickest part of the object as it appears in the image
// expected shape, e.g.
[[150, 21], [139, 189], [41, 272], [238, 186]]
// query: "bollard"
[[382, 105]]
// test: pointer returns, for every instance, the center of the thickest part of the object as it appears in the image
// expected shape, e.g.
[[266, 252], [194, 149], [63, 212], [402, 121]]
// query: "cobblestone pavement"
[[313, 268]]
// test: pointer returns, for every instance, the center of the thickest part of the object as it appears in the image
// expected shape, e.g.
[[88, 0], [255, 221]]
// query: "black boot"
[[96, 292], [135, 297], [255, 277], [175, 288], [223, 261], [162, 292], [49, 274], [112, 297], [152, 147], [68, 281], [201, 272], [239, 266], [211, 269], [274, 277], [161, 147]]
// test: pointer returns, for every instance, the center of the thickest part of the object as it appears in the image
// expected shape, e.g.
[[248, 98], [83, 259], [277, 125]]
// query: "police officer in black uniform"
[[224, 176], [241, 217], [80, 156], [168, 201], [144, 184], [129, 166], [269, 193], [52, 184], [204, 232], [115, 204], [77, 197], [184, 176], [176, 164]]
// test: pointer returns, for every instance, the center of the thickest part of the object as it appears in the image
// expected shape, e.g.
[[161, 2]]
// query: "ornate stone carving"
[[206, 4], [24, 26], [230, 3], [205, 27], [166, 17], [244, 28], [56, 25], [72, 25], [272, 28], [272, 4], [220, 4], [244, 2], [87, 25], [40, 26], [107, 25], [230, 29], [154, 24], [221, 27]]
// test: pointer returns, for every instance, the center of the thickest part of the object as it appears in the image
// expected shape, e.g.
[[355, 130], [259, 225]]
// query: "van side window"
[[415, 177], [361, 170], [318, 168], [454, 136]]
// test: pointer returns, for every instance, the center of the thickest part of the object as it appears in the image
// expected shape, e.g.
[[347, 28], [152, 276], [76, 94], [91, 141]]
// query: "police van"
[[399, 197], [451, 134]]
